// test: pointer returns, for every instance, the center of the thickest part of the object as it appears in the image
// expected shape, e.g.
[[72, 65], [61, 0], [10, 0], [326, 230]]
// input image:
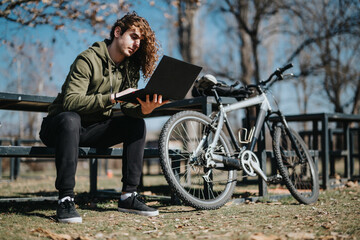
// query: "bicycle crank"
[[250, 164], [275, 179]]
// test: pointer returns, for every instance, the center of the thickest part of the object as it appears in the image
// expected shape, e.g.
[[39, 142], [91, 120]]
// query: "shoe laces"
[[140, 198], [66, 202]]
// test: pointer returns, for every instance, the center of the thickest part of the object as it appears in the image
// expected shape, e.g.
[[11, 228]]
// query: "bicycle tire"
[[301, 178], [186, 178]]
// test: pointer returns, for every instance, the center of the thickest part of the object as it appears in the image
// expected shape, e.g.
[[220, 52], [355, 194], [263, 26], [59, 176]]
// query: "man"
[[81, 115]]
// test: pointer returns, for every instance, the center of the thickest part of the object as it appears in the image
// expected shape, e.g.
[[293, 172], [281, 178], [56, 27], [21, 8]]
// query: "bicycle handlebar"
[[278, 72], [279, 76], [233, 90], [283, 69]]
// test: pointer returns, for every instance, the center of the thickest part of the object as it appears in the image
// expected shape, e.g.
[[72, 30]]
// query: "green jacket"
[[89, 84]]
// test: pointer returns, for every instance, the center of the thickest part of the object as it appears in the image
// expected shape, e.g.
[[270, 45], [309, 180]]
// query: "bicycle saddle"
[[204, 86]]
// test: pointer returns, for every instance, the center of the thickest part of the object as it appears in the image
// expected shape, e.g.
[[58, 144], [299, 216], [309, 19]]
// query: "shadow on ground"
[[30, 204]]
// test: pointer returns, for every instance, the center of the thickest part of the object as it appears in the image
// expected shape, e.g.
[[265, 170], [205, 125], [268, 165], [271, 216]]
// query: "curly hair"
[[147, 55]]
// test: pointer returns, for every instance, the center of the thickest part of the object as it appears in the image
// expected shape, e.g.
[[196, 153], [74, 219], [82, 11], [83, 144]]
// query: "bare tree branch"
[[59, 13]]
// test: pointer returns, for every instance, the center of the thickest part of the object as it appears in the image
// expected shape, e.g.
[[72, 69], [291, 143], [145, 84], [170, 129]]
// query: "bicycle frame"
[[222, 117], [214, 160], [264, 109]]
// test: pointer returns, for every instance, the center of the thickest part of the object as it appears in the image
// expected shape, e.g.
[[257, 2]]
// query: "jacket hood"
[[100, 48]]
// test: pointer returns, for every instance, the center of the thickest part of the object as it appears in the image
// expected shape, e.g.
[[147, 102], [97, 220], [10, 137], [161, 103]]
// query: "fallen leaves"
[[274, 203], [300, 235], [351, 184], [261, 236], [55, 236], [249, 202], [334, 236], [328, 225]]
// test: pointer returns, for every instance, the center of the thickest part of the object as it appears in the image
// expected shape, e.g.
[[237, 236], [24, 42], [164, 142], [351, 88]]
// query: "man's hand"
[[148, 106]]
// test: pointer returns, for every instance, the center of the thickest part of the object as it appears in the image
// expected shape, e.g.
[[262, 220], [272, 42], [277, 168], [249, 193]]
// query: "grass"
[[334, 216]]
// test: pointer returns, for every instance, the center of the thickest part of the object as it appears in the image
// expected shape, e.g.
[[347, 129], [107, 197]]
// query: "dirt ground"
[[334, 216]]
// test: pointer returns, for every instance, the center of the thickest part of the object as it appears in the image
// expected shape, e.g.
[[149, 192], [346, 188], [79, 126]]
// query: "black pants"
[[65, 132]]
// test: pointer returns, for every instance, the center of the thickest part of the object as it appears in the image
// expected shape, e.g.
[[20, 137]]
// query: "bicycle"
[[199, 162]]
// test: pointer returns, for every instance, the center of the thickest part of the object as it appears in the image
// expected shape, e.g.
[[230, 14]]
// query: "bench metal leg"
[[347, 146], [325, 153], [12, 169], [352, 154], [263, 191], [93, 176], [315, 143], [175, 164], [0, 168], [332, 147], [16, 168], [358, 149], [206, 107]]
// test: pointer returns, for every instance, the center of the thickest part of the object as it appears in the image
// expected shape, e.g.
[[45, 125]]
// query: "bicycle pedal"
[[275, 179]]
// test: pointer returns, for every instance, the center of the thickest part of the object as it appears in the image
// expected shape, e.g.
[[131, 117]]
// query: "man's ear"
[[117, 32]]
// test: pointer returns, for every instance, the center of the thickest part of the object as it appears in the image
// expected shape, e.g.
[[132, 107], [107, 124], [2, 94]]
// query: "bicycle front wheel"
[[296, 165], [193, 183]]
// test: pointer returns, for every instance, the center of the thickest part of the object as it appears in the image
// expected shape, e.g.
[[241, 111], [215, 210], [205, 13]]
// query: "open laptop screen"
[[172, 78]]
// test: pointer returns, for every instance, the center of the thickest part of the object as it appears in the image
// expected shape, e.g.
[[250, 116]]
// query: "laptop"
[[172, 79]]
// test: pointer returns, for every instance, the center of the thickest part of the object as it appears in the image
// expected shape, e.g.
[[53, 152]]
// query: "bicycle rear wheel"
[[298, 172], [194, 184]]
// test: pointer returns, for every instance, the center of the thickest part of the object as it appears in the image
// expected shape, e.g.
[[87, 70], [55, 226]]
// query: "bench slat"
[[84, 152]]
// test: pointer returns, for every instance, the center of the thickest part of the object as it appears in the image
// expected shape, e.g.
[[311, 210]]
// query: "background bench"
[[321, 137]]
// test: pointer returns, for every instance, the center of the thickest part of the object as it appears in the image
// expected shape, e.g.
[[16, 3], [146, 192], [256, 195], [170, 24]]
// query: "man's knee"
[[136, 127], [139, 125], [69, 121], [139, 122]]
